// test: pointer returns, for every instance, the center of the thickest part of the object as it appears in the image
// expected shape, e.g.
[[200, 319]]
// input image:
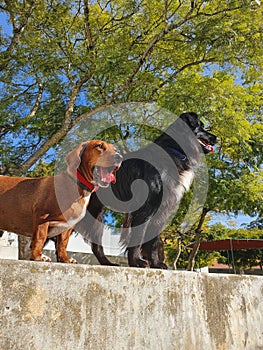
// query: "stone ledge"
[[64, 307]]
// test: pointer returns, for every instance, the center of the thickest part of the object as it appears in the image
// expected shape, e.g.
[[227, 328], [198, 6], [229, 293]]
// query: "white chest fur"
[[80, 207], [77, 210], [185, 181]]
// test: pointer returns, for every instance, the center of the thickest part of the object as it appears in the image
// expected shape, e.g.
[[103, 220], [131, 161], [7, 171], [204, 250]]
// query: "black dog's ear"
[[189, 118]]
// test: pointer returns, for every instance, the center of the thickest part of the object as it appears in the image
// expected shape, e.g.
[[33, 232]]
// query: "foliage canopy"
[[62, 61]]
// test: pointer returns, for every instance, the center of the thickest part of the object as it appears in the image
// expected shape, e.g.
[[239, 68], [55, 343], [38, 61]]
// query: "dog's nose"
[[118, 158]]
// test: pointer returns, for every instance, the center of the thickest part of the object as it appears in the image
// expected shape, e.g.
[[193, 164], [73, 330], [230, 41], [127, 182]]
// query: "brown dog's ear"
[[73, 158]]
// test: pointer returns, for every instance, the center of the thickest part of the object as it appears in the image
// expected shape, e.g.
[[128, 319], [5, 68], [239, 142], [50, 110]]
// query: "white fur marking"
[[72, 221], [185, 181]]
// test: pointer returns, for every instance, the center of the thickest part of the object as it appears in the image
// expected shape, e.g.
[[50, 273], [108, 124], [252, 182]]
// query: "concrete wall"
[[73, 307]]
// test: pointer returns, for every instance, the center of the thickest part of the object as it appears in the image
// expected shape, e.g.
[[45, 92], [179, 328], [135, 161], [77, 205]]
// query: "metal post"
[[232, 255]]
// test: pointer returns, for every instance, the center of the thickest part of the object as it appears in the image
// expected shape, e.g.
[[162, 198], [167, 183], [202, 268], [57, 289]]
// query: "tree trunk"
[[161, 250], [24, 249], [178, 253], [191, 261]]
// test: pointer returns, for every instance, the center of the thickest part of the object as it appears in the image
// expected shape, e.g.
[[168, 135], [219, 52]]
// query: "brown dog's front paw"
[[42, 257], [45, 258], [67, 260]]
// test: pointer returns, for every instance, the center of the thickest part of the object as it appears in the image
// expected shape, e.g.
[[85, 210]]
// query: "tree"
[[56, 72], [176, 240], [258, 223], [62, 62]]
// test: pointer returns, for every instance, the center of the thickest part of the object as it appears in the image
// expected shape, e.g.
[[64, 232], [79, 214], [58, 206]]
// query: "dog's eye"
[[100, 146]]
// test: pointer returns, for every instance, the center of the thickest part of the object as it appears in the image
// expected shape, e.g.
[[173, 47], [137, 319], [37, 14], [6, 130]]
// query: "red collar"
[[85, 184]]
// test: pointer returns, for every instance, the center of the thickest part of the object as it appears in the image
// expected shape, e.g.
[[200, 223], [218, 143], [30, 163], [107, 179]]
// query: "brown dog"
[[51, 206]]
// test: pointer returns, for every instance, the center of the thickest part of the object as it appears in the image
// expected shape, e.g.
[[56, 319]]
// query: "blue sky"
[[5, 27], [232, 221]]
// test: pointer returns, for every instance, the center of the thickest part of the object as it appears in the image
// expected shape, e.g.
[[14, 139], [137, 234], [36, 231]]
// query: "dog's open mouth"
[[207, 147], [104, 176]]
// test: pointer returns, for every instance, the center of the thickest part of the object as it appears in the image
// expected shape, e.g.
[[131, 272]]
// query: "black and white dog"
[[164, 170]]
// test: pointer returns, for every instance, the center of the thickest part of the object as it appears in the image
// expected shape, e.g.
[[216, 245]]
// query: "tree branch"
[[37, 102], [168, 28], [198, 231], [88, 33], [185, 66], [17, 32], [61, 132], [58, 136]]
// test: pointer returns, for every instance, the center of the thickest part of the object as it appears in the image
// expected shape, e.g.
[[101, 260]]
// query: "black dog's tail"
[[126, 231]]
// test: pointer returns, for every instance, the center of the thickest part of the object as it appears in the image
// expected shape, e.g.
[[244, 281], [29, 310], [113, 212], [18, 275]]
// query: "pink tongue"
[[107, 177], [211, 148]]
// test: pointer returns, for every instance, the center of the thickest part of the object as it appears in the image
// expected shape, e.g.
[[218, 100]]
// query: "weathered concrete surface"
[[78, 307]]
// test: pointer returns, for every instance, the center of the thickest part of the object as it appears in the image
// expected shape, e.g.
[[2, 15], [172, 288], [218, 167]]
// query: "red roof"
[[229, 244]]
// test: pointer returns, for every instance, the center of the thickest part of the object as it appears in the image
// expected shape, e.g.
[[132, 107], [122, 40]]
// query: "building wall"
[[58, 306], [8, 252]]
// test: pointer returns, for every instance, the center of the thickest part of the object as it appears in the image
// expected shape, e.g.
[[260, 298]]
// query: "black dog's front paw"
[[139, 263], [159, 265], [112, 264]]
